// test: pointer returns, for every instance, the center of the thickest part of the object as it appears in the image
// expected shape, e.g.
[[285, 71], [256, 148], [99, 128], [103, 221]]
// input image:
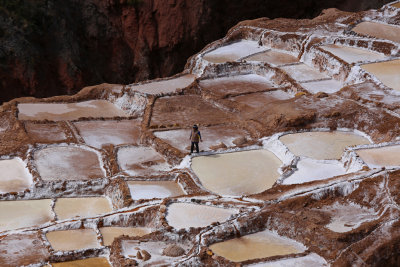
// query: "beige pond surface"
[[14, 176], [68, 111], [379, 30], [387, 72], [274, 57], [321, 145], [24, 213], [303, 72], [154, 189], [353, 54], [92, 262], [68, 208], [45, 132], [68, 163], [141, 161], [186, 215], [388, 156], [110, 233], [309, 260], [100, 133], [396, 5], [326, 86], [255, 246], [165, 86], [73, 239], [238, 173], [233, 52]]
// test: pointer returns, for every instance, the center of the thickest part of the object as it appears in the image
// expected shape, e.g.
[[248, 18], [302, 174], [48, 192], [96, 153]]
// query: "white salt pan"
[[387, 72], [233, 51], [68, 208], [326, 86], [388, 156], [165, 86], [73, 239], [306, 261], [14, 176], [154, 189], [379, 30], [353, 54], [302, 73], [110, 233]]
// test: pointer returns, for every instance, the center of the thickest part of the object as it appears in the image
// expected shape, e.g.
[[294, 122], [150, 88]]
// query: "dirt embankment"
[[49, 47]]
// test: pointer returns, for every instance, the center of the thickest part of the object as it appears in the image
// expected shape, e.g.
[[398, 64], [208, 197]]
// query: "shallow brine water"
[[379, 30], [233, 52], [303, 72], [154, 189], [326, 86], [92, 262], [387, 72], [321, 145], [238, 173], [110, 233], [73, 239], [14, 176], [165, 86], [255, 246], [68, 208], [353, 54], [388, 156], [274, 57], [186, 215]]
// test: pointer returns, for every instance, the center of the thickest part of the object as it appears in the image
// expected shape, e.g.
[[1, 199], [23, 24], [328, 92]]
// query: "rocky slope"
[[53, 47]]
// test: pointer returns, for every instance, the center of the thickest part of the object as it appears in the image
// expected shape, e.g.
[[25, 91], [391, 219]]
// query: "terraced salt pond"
[[309, 260], [303, 73], [353, 54], [68, 111], [101, 133], [322, 145], [164, 86], [186, 215], [238, 173], [388, 156], [68, 163], [110, 233], [92, 262], [14, 176], [154, 189], [233, 52], [256, 246], [387, 72], [24, 213], [273, 57], [379, 30], [69, 240], [326, 86], [68, 208]]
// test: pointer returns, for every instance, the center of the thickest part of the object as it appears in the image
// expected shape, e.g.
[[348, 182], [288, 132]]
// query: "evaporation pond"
[[233, 52], [303, 72], [110, 233], [309, 260], [387, 72], [100, 133], [91, 262], [326, 86], [256, 246], [154, 189], [164, 86], [237, 173], [68, 208], [274, 57], [73, 239], [14, 176], [388, 156], [141, 160], [68, 163], [68, 111], [321, 145], [379, 30], [24, 213], [186, 215], [353, 54]]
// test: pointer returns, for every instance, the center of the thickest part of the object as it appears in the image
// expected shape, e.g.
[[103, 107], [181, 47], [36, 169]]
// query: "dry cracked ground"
[[299, 166]]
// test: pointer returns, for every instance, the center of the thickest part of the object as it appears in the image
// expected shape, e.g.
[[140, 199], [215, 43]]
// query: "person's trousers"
[[193, 145]]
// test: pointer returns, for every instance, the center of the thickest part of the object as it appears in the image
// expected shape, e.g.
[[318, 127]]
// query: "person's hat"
[[195, 126]]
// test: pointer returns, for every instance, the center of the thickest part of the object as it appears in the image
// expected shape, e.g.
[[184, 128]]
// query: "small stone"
[[131, 256], [173, 250], [146, 255], [139, 255], [240, 141], [163, 208]]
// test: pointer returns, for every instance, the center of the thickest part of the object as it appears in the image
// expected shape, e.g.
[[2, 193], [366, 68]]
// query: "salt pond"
[[233, 52], [73, 239], [273, 57], [165, 86], [186, 215], [303, 72], [24, 213], [353, 54], [154, 189], [388, 156], [68, 111], [326, 86], [110, 233], [306, 261], [92, 262], [387, 72], [379, 30], [321, 145], [100, 133], [45, 132], [14, 176], [238, 173], [255, 246], [68, 163], [68, 208], [141, 161]]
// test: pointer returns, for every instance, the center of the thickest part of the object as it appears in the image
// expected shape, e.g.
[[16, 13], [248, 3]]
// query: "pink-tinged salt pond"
[[164, 86], [68, 111], [303, 72], [110, 233], [14, 176], [387, 72], [68, 208], [273, 57], [326, 86], [388, 156], [73, 239], [154, 189], [379, 30], [233, 52], [353, 54]]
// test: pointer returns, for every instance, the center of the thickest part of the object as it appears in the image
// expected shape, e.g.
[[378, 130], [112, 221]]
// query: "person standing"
[[195, 138]]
